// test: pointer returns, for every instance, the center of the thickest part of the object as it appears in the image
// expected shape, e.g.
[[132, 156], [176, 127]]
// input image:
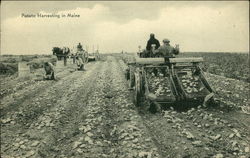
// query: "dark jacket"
[[79, 47], [152, 41]]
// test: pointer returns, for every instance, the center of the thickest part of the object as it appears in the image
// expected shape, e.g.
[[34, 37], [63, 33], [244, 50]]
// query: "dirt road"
[[84, 114], [91, 114]]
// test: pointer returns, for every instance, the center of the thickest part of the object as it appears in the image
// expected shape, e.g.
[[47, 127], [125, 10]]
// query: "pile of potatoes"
[[159, 84], [191, 83]]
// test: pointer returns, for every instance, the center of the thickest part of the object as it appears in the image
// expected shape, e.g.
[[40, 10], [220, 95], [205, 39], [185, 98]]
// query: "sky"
[[197, 26]]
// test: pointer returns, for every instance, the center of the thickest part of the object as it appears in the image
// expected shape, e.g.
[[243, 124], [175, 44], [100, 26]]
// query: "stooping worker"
[[49, 71], [79, 63], [152, 42]]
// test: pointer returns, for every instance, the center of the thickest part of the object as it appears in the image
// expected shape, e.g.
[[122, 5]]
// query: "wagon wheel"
[[138, 90], [86, 60]]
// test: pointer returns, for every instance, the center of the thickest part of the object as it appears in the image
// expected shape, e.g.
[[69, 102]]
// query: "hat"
[[166, 40]]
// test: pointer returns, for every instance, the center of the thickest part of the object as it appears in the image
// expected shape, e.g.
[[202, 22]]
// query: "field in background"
[[9, 63], [232, 65]]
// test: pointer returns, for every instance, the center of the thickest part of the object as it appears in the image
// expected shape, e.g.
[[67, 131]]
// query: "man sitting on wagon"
[[79, 47], [166, 50], [152, 42]]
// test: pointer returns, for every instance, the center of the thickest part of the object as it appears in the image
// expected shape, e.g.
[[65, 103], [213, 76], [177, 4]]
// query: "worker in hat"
[[152, 44], [79, 63], [79, 47], [166, 50], [49, 71]]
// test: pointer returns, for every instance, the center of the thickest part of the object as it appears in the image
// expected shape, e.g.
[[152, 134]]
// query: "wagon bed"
[[171, 81]]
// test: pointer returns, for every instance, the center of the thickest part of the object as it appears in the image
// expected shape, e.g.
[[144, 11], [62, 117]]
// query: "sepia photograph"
[[125, 79]]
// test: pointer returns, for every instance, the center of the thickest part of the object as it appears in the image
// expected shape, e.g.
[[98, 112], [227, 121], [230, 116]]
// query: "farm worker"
[[166, 50], [79, 63], [66, 51], [49, 70], [79, 47], [152, 42], [81, 54]]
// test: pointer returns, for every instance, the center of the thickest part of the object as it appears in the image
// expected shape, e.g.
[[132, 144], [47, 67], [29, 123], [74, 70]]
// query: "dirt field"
[[91, 114]]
